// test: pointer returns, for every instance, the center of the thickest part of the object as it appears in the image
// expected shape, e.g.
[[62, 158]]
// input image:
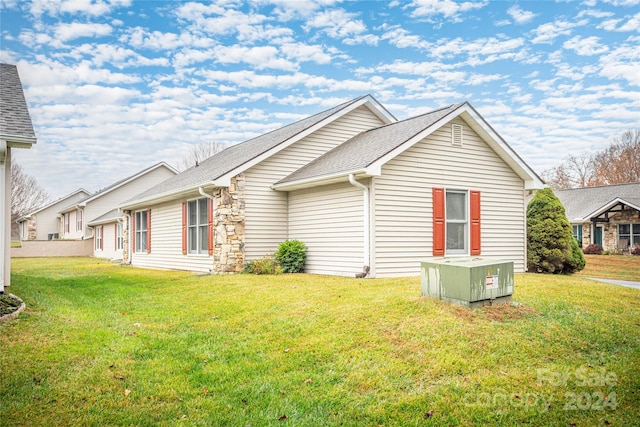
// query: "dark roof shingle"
[[237, 155], [14, 114], [581, 202], [365, 148]]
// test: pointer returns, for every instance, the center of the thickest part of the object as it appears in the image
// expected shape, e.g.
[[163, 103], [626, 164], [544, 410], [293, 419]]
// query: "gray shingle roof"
[[365, 148], [237, 155], [14, 114], [581, 202], [111, 216]]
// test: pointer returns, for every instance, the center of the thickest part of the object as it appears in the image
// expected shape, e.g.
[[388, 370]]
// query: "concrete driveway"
[[626, 283]]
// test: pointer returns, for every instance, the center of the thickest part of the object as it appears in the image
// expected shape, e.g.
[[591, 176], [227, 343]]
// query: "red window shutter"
[[474, 201], [149, 231], [184, 228], [438, 221], [210, 224], [133, 231], [101, 237]]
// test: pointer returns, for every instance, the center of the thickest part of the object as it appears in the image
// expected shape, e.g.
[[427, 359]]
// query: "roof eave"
[[168, 196], [19, 141], [318, 181], [608, 206], [370, 102]]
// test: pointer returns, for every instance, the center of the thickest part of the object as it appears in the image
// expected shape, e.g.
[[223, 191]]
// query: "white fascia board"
[[609, 205], [368, 100], [130, 179], [317, 181], [19, 141], [165, 197]]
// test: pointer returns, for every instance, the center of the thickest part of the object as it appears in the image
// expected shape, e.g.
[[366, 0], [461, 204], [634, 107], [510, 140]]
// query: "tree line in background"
[[26, 196], [617, 164]]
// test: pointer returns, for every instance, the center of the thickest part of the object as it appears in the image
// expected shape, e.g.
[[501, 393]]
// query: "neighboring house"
[[360, 189], [16, 130], [607, 215], [44, 223], [96, 215]]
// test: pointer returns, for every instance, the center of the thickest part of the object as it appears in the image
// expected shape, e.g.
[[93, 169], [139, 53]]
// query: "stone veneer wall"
[[229, 227], [610, 229], [31, 228]]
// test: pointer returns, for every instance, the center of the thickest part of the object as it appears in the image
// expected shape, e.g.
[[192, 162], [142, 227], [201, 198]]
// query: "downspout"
[[209, 196], [367, 226], [4, 158]]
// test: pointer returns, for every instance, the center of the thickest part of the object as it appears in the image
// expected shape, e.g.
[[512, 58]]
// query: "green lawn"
[[101, 344]]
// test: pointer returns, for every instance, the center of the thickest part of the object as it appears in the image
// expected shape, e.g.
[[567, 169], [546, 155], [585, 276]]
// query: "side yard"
[[101, 344], [618, 267]]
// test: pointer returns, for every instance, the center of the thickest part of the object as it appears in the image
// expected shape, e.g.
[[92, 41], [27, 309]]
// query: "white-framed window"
[[197, 226], [630, 233], [457, 222], [119, 237], [79, 220], [99, 237], [66, 222], [141, 231], [577, 233]]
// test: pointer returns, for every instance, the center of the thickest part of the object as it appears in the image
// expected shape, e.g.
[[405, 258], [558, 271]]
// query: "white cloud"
[[73, 7], [117, 56], [336, 23], [447, 8], [547, 33], [519, 15], [632, 24], [399, 37], [76, 30], [622, 63], [586, 46], [156, 40]]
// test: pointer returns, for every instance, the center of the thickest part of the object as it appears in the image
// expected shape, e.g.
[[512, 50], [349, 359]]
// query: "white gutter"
[[367, 226], [205, 194]]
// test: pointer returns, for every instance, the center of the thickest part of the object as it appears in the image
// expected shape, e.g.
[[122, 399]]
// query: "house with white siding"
[[363, 191], [16, 131], [96, 216], [44, 222]]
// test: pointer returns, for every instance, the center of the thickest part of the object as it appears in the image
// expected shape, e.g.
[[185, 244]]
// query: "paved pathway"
[[626, 283]]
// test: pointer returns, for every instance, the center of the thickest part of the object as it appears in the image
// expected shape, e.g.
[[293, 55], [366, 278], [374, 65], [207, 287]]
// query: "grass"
[[101, 344], [620, 267]]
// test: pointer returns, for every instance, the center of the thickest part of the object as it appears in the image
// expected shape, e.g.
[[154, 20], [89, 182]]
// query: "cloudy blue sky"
[[114, 86]]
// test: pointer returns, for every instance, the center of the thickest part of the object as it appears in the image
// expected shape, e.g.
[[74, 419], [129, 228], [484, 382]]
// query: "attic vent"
[[456, 135]]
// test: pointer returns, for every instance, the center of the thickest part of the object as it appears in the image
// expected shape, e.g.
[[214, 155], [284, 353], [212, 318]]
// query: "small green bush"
[[593, 249], [577, 260], [265, 265], [291, 255]]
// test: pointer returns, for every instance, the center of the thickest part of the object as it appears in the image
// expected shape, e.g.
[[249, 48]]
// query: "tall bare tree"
[[200, 152], [26, 195], [620, 162], [575, 171], [617, 164]]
